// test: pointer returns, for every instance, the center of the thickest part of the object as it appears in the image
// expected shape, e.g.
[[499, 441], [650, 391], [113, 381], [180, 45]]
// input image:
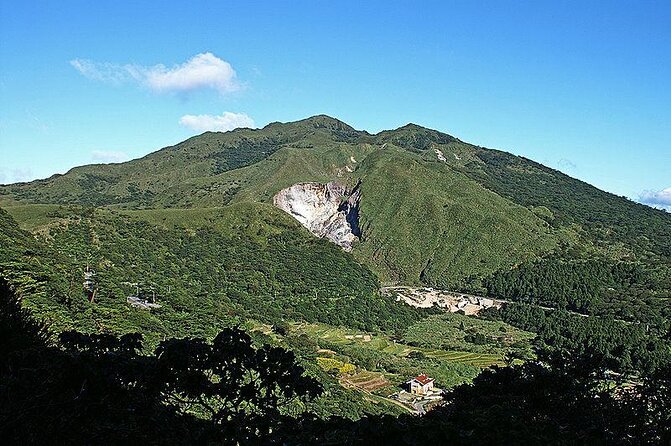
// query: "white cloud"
[[657, 199], [109, 156], [203, 71], [223, 123], [104, 72]]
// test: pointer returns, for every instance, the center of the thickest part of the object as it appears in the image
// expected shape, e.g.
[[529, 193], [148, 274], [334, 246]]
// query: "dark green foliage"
[[48, 396], [18, 330], [281, 328], [414, 137], [624, 347], [633, 291], [562, 399], [579, 285], [100, 389], [477, 338], [232, 382], [243, 152], [216, 276], [605, 216]]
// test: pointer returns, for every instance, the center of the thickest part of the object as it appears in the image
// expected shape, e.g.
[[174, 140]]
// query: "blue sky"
[[584, 86]]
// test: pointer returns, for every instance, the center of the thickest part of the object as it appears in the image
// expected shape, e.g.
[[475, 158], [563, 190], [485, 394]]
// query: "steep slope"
[[422, 221], [606, 217]]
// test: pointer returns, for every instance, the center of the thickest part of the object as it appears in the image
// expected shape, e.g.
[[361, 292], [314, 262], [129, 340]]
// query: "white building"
[[421, 384]]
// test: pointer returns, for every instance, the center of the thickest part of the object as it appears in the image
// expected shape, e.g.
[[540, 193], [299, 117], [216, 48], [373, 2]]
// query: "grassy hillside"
[[423, 221], [144, 182], [194, 226], [606, 218]]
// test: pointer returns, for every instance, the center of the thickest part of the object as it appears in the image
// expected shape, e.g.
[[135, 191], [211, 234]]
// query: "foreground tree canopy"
[[93, 389]]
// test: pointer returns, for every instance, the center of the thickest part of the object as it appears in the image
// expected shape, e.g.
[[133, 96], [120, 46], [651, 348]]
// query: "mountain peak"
[[415, 137], [412, 126], [327, 122]]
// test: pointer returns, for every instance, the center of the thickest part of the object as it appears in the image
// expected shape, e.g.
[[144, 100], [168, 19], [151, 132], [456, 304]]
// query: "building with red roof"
[[421, 384]]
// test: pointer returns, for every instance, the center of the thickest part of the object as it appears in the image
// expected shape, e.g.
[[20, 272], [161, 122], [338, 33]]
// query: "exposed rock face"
[[328, 210]]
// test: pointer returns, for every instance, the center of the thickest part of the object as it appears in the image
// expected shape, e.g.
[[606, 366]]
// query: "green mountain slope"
[[192, 228], [145, 181], [433, 209], [604, 216], [422, 220]]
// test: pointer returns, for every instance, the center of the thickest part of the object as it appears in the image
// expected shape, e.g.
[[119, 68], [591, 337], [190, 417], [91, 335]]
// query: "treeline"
[[631, 291], [578, 285], [244, 152]]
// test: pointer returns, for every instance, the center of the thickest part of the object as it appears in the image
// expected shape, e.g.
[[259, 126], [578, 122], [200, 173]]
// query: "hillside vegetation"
[[190, 232], [434, 210], [465, 225], [243, 267]]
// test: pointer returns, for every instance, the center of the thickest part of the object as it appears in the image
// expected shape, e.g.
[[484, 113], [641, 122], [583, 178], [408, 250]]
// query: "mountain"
[[282, 238], [432, 209]]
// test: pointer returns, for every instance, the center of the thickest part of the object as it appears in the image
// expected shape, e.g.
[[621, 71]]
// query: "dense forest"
[[632, 291], [216, 277], [626, 347]]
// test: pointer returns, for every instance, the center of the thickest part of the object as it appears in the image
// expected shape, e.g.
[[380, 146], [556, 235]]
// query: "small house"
[[421, 384]]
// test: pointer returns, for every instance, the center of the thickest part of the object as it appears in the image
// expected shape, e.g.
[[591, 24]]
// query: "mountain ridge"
[[433, 210]]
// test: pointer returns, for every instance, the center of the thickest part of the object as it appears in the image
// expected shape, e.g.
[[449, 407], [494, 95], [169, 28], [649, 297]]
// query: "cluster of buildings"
[[448, 300]]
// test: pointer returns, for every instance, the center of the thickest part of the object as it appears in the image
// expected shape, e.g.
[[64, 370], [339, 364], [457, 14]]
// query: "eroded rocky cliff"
[[328, 210]]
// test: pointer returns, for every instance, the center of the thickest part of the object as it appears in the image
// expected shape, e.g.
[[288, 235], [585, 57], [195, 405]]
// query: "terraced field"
[[384, 344], [368, 381], [477, 359]]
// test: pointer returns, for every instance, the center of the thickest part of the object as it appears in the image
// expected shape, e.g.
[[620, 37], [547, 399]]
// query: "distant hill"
[[433, 209]]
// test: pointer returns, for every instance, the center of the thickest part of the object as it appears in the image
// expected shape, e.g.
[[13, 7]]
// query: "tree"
[[100, 388], [245, 391]]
